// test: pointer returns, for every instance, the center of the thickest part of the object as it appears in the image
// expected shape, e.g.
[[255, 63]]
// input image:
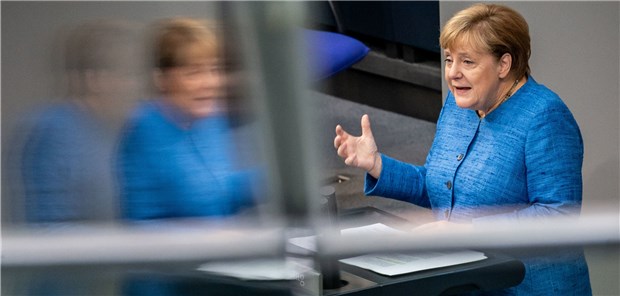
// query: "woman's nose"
[[454, 72]]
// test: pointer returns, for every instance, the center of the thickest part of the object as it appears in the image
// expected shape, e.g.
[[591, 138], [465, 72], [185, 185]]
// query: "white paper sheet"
[[260, 269], [309, 242], [399, 263], [395, 263]]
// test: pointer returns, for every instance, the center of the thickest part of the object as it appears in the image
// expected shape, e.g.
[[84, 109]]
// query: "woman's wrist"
[[375, 171]]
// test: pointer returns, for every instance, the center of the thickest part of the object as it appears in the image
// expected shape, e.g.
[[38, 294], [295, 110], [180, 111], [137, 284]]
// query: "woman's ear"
[[505, 63]]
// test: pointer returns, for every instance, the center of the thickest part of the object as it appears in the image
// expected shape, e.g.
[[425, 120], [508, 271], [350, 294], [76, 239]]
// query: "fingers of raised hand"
[[350, 160], [341, 136], [340, 131], [342, 150], [366, 130], [337, 141]]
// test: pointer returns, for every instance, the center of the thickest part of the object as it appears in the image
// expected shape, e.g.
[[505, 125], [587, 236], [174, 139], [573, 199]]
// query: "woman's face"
[[473, 77], [194, 88]]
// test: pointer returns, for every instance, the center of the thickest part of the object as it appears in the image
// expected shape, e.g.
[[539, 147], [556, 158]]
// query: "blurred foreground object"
[[203, 241], [68, 159], [331, 52]]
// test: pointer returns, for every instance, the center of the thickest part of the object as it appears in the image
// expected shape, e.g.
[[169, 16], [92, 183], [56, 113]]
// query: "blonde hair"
[[493, 28], [178, 41]]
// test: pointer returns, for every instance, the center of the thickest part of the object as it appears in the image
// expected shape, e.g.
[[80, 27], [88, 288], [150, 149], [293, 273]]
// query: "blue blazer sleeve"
[[554, 157], [399, 180]]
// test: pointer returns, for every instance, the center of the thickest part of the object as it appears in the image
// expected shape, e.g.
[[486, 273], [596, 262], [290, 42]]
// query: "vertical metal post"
[[275, 55]]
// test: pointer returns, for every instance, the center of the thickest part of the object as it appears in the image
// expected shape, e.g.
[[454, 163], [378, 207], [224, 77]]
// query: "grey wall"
[[575, 52], [31, 69], [30, 30]]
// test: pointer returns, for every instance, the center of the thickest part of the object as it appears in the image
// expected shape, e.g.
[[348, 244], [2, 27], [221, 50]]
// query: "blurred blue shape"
[[332, 52], [168, 171]]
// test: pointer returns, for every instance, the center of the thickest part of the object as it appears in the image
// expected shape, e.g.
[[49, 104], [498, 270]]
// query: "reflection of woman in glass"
[[68, 158], [506, 147], [177, 157]]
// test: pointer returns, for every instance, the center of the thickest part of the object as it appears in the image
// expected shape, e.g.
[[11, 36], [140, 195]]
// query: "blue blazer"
[[523, 160]]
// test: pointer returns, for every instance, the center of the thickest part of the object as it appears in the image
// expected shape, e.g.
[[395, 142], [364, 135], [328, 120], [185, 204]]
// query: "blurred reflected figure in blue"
[[69, 155], [70, 151], [178, 158], [178, 154]]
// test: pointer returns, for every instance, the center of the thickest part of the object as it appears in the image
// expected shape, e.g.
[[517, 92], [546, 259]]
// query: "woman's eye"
[[468, 62], [448, 60]]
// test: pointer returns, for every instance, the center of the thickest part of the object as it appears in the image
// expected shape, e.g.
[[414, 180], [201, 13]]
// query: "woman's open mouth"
[[461, 90]]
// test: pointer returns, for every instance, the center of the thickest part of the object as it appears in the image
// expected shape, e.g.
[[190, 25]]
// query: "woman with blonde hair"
[[506, 147]]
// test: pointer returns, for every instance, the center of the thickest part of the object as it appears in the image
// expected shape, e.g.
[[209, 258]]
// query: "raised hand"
[[359, 151]]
